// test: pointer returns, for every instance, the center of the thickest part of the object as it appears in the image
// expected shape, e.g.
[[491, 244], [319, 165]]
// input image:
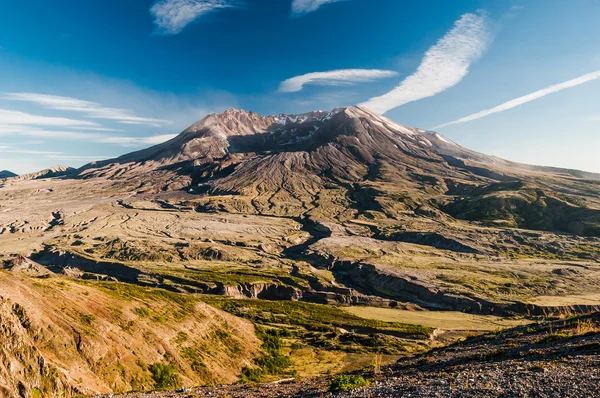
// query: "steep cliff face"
[[61, 338], [24, 372]]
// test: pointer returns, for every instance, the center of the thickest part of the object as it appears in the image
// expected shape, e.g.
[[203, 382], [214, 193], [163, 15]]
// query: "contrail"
[[527, 98]]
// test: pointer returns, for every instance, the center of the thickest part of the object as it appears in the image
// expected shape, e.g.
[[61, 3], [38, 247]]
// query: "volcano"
[[351, 158]]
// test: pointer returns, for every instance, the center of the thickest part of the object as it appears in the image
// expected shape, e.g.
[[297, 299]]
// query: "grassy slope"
[[101, 337], [446, 320]]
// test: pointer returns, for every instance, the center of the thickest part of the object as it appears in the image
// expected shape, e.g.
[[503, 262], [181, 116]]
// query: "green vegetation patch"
[[552, 337], [271, 361], [179, 305], [347, 383], [316, 317], [165, 376]]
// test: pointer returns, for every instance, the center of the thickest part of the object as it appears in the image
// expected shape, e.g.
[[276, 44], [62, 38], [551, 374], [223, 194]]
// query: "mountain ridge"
[[235, 122], [283, 165], [52, 172], [7, 174]]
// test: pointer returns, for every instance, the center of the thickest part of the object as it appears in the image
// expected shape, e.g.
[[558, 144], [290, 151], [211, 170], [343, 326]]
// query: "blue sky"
[[87, 80]]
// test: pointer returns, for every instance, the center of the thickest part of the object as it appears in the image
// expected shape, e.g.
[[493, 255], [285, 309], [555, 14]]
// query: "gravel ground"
[[554, 359]]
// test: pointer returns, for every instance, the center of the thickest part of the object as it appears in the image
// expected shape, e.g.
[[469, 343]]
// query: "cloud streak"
[[134, 141], [11, 118], [342, 77], [444, 65], [302, 7], [126, 141], [84, 158], [172, 16], [14, 150], [90, 109], [527, 98]]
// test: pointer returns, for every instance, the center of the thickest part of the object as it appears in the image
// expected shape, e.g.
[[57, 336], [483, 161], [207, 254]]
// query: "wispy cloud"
[[11, 118], [342, 77], [8, 151], [90, 109], [301, 7], [443, 66], [75, 157], [16, 150], [133, 141], [527, 98], [127, 141], [172, 16]]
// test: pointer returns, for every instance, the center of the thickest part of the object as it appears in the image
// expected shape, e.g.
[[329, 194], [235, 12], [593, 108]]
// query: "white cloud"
[[342, 77], [29, 131], [172, 16], [527, 98], [300, 7], [132, 141], [126, 141], [84, 158], [14, 150], [89, 108], [444, 65], [158, 139], [10, 118], [60, 135], [181, 109]]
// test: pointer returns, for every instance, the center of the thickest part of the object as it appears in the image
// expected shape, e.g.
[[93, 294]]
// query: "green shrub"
[[142, 312], [164, 375], [271, 362], [86, 319], [552, 337], [181, 338], [347, 382]]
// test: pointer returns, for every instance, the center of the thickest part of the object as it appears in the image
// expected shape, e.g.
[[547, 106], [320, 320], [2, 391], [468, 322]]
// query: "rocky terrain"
[[551, 359], [234, 251]]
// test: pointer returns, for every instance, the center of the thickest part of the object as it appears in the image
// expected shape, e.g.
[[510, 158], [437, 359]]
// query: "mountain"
[[283, 165], [7, 174], [217, 138], [55, 171]]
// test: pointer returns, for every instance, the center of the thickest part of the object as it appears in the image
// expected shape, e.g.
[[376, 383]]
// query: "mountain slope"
[[55, 171], [64, 338], [7, 174], [351, 161]]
